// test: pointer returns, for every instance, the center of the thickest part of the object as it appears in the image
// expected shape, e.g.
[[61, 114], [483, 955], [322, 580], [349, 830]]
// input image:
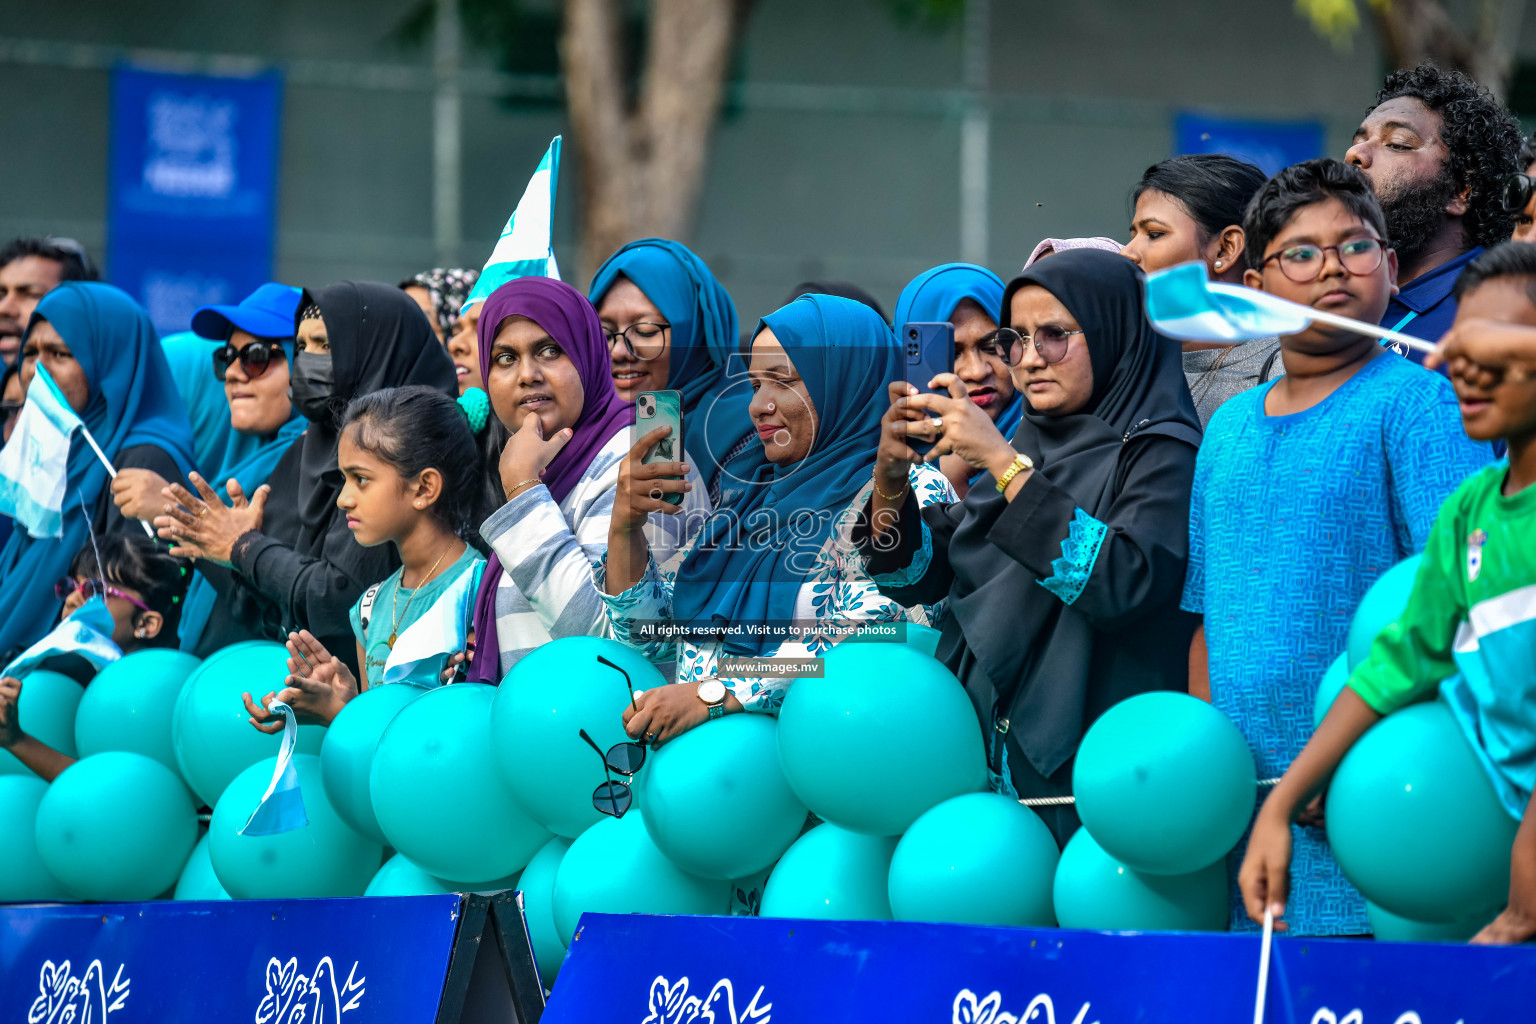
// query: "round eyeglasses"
[[1049, 340], [1304, 263], [643, 341]]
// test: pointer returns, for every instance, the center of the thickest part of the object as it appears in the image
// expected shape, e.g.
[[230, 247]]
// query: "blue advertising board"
[[192, 189], [678, 970], [1269, 145], [271, 961]]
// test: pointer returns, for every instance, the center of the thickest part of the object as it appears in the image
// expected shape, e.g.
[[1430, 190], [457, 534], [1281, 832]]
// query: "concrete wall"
[[855, 179]]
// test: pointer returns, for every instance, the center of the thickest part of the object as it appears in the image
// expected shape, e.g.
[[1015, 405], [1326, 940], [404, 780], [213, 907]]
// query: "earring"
[[1218, 264], [418, 504], [139, 633]]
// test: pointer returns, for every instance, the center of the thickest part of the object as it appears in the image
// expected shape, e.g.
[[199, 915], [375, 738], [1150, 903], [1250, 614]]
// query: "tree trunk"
[[1413, 31], [642, 164]]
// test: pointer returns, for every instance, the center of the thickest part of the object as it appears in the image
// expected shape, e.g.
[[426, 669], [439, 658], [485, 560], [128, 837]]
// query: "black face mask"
[[311, 385]]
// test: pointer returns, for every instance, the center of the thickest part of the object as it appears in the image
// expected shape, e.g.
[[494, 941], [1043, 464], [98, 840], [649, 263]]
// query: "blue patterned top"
[[837, 590], [1291, 520]]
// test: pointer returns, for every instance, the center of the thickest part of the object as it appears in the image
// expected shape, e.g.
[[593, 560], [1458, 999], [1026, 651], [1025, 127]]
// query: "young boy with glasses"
[[1310, 487], [1469, 631]]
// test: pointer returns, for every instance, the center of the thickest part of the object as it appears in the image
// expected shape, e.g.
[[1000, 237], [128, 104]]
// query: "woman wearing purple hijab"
[[544, 360]]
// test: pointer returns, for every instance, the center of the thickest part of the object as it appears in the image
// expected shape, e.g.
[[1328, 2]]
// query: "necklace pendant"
[[390, 643]]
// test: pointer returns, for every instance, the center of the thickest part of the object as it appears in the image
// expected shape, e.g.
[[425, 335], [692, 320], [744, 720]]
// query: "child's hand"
[[1488, 343], [1517, 923], [10, 722], [642, 486], [1265, 876], [452, 668]]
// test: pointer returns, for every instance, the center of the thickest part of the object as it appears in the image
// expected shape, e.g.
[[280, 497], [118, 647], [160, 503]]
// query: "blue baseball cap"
[[268, 312]]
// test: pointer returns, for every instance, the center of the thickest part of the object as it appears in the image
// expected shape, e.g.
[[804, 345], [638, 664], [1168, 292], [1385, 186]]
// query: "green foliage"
[[1336, 20]]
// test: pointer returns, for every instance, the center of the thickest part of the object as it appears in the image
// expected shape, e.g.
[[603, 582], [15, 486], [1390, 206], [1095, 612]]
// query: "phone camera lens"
[[912, 334]]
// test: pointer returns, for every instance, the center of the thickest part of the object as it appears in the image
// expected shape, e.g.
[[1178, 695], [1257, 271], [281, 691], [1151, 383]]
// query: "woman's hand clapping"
[[203, 526]]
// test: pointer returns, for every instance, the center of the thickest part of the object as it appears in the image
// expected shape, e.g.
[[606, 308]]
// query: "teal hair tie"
[[476, 406]]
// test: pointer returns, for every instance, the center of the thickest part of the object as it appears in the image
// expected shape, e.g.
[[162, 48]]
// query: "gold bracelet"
[[1020, 464], [907, 482], [524, 483]]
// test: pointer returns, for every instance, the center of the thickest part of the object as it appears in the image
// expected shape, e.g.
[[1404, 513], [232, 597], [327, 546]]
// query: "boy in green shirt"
[[1471, 619]]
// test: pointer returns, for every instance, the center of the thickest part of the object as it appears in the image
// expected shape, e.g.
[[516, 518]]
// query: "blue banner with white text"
[[740, 970], [192, 189], [332, 961]]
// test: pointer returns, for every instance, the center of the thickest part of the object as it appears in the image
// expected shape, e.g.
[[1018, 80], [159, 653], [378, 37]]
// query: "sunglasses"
[[254, 358], [614, 797], [1049, 340], [94, 588], [1517, 191]]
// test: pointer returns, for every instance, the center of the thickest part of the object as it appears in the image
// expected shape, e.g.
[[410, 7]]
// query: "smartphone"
[[661, 409], [930, 351]]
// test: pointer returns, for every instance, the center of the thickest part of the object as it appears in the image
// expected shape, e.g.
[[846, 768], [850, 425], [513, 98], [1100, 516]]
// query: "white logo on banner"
[[1327, 1016], [66, 999], [316, 998], [191, 147], [671, 1004], [171, 299], [989, 1010]]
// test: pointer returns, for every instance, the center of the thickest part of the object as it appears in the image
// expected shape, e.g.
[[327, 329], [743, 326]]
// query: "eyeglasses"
[[1049, 340], [94, 588], [1304, 263], [254, 359], [1517, 192], [623, 759], [643, 341]]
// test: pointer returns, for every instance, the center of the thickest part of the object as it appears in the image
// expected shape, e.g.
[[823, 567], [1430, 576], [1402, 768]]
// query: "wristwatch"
[[712, 693]]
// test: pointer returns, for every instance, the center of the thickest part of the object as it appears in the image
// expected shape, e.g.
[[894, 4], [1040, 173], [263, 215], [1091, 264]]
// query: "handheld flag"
[[86, 634], [525, 247], [1183, 303], [34, 464], [282, 806], [421, 653]]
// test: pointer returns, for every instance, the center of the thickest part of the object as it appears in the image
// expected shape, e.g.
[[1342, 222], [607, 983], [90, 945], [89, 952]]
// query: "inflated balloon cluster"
[[481, 788]]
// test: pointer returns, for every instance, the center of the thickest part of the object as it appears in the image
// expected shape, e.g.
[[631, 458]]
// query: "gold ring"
[[202, 511], [938, 424]]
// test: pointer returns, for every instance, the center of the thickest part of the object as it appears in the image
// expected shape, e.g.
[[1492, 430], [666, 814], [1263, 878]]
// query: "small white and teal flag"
[[1183, 303], [281, 808], [421, 653], [34, 464], [85, 634], [525, 247]]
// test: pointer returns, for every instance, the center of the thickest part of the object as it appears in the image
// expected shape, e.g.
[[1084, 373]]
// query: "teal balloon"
[[1329, 688], [614, 868], [129, 705], [1389, 927], [919, 637], [46, 711], [210, 727], [1165, 783], [321, 858], [1380, 607], [399, 877], [116, 826], [1094, 891], [346, 756], [24, 878], [538, 887], [1414, 821], [197, 881], [716, 801], [980, 858], [879, 709], [554, 692], [832, 874], [438, 796]]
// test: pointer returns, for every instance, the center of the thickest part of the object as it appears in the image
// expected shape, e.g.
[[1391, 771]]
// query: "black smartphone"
[[930, 351]]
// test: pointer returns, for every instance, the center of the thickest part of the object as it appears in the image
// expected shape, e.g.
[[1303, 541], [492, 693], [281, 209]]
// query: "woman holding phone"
[[1064, 565], [782, 552]]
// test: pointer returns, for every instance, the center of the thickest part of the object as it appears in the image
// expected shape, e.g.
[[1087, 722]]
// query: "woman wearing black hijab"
[[288, 562], [1064, 583]]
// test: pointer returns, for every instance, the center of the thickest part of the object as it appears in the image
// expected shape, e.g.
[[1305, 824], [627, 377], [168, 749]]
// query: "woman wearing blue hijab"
[[819, 370], [102, 351], [970, 298], [671, 325]]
